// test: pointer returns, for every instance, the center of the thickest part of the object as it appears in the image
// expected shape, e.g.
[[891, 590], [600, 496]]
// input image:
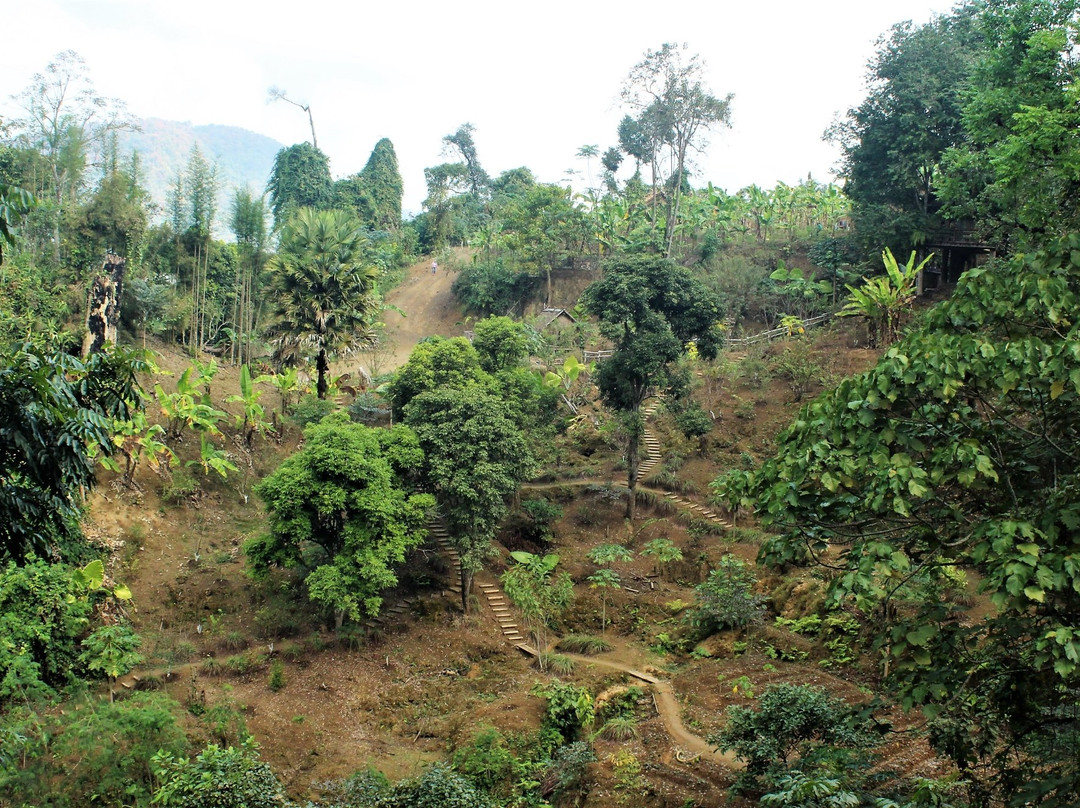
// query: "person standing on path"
[[434, 266]]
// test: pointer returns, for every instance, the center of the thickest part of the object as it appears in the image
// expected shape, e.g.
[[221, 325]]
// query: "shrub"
[[311, 409], [363, 789], [233, 776], [277, 676], [487, 761], [92, 753], [726, 598], [619, 728], [792, 720], [797, 367], [569, 707], [181, 487]]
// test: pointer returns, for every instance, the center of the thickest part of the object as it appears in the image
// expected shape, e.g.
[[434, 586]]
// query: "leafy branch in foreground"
[[960, 449]]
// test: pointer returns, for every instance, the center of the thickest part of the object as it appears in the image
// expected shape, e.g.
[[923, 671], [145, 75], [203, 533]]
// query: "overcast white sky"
[[538, 80]]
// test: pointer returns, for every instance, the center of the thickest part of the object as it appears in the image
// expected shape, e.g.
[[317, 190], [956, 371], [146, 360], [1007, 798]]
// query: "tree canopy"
[[300, 178], [475, 456], [650, 308], [339, 509], [55, 413]]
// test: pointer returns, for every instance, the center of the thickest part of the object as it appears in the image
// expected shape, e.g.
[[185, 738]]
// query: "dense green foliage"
[[726, 599], [475, 457], [93, 753], [43, 614], [339, 510], [958, 449], [894, 140], [55, 413], [796, 727], [300, 179], [650, 308], [233, 777]]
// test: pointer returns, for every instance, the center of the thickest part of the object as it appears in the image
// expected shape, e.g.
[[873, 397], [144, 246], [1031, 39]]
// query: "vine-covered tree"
[[300, 178], [381, 181]]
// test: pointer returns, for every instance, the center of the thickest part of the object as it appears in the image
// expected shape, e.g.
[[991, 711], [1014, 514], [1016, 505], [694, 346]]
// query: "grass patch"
[[583, 644], [619, 728], [559, 664]]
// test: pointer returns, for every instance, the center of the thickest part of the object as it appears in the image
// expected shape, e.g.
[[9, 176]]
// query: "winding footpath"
[[688, 746]]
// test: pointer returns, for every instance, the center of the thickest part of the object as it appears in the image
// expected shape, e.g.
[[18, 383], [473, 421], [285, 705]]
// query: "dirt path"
[[429, 308], [668, 708]]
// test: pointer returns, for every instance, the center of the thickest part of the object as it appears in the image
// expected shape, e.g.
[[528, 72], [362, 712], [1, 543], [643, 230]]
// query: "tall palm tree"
[[326, 293]]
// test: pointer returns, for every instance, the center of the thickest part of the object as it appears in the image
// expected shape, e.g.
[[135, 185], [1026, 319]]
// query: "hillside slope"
[[425, 307]]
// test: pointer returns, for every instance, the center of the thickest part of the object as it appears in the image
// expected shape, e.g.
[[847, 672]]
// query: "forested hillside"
[[662, 494], [243, 158]]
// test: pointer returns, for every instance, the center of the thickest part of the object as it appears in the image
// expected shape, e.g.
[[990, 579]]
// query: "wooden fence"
[[773, 333]]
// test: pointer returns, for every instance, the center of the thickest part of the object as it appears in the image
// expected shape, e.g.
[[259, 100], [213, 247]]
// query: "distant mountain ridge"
[[243, 158]]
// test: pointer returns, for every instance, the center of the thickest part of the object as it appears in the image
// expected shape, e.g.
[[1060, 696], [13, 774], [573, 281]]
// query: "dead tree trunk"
[[103, 307]]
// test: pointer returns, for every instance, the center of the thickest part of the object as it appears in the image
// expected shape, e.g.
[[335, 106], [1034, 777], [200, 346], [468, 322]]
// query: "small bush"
[[583, 644], [181, 487], [244, 664], [235, 641], [311, 410], [292, 651], [726, 599], [569, 707], [487, 761], [277, 676], [149, 682], [278, 619], [211, 667]]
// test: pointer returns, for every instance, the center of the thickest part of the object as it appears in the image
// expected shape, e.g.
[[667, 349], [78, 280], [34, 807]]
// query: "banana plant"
[[211, 458], [136, 440], [564, 378], [188, 407], [252, 419], [287, 383], [883, 299]]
